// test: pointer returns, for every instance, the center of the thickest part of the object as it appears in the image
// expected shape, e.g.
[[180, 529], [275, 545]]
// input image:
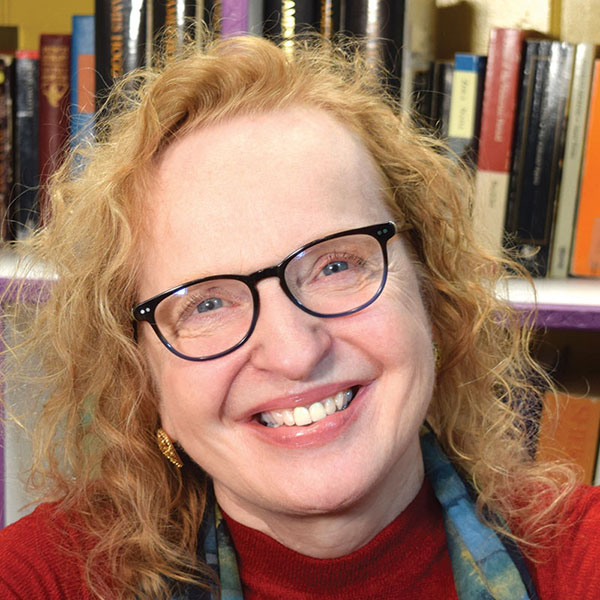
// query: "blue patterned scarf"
[[485, 565]]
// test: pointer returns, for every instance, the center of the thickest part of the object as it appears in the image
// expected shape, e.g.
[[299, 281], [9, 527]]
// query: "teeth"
[[303, 415]]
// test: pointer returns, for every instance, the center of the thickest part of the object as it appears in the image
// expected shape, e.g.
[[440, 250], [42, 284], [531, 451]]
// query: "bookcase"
[[568, 311]]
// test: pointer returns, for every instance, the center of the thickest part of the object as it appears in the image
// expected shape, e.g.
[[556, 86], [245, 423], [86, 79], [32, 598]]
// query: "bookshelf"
[[566, 311]]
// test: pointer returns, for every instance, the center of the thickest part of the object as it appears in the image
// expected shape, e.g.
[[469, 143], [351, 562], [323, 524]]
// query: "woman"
[[305, 291]]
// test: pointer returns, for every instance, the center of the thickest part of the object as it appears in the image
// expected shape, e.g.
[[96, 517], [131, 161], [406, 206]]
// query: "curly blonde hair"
[[95, 446]]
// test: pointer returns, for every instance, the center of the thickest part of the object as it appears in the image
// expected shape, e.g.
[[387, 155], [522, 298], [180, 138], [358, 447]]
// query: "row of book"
[[526, 118], [49, 95]]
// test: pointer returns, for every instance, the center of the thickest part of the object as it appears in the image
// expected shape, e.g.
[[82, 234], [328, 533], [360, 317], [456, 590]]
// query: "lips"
[[301, 416]]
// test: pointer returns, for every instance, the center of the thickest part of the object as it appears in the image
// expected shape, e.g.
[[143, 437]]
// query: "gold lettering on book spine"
[[116, 38], [171, 37], [288, 25], [54, 73]]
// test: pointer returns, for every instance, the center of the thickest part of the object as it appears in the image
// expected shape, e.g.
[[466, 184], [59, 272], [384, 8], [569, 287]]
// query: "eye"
[[209, 304], [335, 267]]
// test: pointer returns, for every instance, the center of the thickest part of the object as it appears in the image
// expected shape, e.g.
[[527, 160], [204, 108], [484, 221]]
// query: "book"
[[465, 105], [234, 17], [585, 259], [443, 72], [566, 208], [6, 140], [53, 108], [172, 24], [83, 80], [331, 17], [380, 25], [286, 19], [24, 210], [120, 42], [418, 56], [575, 434], [498, 115], [538, 151]]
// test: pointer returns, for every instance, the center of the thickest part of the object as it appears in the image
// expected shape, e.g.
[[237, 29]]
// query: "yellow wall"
[[41, 16]]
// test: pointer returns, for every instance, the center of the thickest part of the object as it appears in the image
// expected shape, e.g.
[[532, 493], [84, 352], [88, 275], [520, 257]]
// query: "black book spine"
[[380, 24], [24, 213], [285, 19], [6, 140], [538, 151], [120, 42], [330, 19], [172, 24]]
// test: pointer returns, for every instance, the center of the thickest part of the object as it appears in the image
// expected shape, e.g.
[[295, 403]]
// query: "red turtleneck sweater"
[[408, 559]]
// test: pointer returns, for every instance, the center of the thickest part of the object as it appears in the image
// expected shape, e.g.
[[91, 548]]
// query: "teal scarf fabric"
[[484, 567]]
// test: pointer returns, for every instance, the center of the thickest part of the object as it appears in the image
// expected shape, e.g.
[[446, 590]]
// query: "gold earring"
[[436, 355], [167, 448]]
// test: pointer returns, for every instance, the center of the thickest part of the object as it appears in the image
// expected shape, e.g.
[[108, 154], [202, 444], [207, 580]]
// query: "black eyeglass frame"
[[145, 311]]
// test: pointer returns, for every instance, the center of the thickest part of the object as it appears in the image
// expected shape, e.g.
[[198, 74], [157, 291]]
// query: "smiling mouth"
[[301, 416]]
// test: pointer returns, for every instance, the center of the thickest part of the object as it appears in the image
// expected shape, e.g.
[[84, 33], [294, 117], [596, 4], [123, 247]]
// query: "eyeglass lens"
[[332, 277]]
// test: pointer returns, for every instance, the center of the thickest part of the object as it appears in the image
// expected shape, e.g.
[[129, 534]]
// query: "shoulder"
[[40, 557], [569, 566]]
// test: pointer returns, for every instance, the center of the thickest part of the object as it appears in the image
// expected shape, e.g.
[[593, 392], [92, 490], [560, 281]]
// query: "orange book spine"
[[586, 243], [575, 435]]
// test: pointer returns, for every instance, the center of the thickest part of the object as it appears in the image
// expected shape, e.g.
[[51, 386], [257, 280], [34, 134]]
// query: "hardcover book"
[[498, 115], [53, 107], [120, 42], [538, 152], [566, 208], [172, 25], [234, 17], [286, 19], [440, 99], [24, 213], [6, 140], [465, 106], [83, 80], [380, 24], [331, 17], [586, 243]]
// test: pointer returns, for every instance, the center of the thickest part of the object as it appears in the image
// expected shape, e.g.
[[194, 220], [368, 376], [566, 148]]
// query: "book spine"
[[535, 176], [586, 244], [465, 105], [330, 19], [575, 437], [6, 140], [418, 55], [443, 75], [571, 171], [380, 24], [120, 42], [172, 25], [83, 80], [53, 107], [498, 115], [234, 19], [286, 19], [24, 205]]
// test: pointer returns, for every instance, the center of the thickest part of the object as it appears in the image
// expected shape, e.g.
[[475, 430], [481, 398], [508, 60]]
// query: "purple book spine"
[[234, 17]]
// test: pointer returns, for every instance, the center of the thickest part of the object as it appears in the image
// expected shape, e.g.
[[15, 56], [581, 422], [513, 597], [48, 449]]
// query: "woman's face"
[[240, 196]]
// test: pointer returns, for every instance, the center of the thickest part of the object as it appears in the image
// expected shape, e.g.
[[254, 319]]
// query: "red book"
[[498, 117], [54, 107]]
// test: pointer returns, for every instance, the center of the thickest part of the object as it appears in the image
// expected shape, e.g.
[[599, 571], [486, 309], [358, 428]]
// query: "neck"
[[335, 533]]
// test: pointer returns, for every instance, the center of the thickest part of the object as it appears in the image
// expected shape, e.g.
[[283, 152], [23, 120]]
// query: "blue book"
[[465, 105], [83, 82]]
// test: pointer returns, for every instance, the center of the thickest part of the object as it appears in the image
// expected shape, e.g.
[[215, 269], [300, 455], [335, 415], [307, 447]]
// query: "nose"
[[287, 341]]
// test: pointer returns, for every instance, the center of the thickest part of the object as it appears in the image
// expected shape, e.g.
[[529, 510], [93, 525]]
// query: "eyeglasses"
[[334, 276]]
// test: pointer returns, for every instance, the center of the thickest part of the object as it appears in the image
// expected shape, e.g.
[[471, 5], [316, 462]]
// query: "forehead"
[[240, 195]]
